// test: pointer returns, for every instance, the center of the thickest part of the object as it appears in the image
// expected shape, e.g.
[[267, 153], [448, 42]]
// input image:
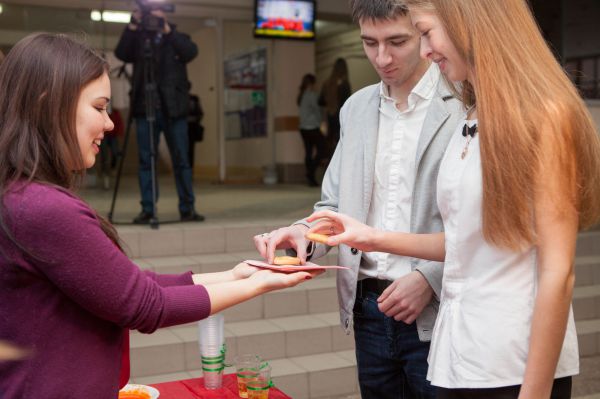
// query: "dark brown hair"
[[377, 10], [41, 79]]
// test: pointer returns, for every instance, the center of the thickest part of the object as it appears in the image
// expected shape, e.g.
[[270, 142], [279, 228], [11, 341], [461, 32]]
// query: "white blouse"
[[481, 335]]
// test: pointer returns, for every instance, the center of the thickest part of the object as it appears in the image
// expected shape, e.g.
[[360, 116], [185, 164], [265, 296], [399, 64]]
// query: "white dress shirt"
[[481, 335], [395, 172]]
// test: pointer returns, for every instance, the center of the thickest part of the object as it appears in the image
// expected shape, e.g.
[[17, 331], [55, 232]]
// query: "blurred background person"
[[170, 52], [109, 150], [310, 122], [195, 127], [334, 93]]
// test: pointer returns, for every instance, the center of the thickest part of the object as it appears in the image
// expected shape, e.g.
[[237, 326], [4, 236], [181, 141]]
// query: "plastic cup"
[[246, 368], [258, 387], [212, 350], [211, 335], [212, 371]]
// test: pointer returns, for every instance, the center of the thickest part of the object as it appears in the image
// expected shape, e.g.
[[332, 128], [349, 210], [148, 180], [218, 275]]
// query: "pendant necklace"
[[469, 133]]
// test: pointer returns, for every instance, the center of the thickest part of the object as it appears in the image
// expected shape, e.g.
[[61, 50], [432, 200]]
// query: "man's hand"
[[283, 238], [161, 14], [405, 298], [136, 19]]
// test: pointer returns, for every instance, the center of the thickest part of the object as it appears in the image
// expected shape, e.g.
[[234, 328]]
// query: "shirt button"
[[354, 251], [347, 323]]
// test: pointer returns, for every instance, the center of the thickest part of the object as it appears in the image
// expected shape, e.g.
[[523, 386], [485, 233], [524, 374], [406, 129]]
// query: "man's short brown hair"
[[377, 9]]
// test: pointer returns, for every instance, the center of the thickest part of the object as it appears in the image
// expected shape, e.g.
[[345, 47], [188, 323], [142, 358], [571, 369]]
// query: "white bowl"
[[153, 392]]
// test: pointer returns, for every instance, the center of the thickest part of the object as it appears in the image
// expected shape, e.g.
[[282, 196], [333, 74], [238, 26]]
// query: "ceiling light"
[[0, 8], [122, 17], [96, 15]]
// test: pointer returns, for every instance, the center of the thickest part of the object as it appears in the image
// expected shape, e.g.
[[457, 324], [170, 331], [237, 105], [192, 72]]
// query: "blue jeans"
[[392, 362], [176, 135]]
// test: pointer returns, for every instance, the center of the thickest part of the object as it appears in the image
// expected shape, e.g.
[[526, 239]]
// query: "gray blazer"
[[348, 185]]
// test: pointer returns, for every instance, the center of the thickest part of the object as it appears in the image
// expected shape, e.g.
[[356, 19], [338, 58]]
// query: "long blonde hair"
[[523, 98]]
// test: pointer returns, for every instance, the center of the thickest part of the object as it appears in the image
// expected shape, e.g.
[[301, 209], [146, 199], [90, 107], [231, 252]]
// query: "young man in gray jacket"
[[384, 173]]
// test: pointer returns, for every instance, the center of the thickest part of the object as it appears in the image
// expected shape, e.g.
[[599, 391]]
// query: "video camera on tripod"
[[148, 21]]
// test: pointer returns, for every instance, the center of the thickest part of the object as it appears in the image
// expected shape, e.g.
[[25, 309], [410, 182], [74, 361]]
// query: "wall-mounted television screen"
[[287, 19]]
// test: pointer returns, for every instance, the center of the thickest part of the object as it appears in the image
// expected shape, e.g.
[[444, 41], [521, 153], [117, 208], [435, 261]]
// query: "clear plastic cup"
[[247, 368], [212, 350], [258, 387], [212, 371], [211, 335]]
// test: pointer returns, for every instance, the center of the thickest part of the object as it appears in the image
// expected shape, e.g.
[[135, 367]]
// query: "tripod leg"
[[153, 135], [120, 170]]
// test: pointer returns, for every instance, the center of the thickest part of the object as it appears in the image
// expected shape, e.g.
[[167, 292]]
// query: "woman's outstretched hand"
[[272, 280], [343, 229], [227, 293], [243, 270]]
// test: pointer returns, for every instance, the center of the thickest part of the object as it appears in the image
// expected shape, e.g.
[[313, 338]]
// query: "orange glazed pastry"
[[286, 260], [322, 238]]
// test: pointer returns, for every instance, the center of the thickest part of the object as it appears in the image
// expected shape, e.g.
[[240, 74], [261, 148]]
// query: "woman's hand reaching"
[[225, 294], [272, 280], [243, 270], [343, 229]]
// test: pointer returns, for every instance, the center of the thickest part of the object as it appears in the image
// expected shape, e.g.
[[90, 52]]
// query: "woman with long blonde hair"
[[519, 178]]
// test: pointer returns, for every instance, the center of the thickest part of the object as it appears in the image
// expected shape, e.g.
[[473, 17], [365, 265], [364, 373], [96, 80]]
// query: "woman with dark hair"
[[310, 122], [68, 293], [334, 93]]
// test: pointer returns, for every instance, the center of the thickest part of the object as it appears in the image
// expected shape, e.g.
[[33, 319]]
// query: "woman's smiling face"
[[92, 118], [437, 46]]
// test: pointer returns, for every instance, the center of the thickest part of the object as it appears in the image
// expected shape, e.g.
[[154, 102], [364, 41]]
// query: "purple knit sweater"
[[71, 298]]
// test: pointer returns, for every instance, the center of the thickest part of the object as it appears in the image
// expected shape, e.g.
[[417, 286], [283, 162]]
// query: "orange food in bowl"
[[286, 260], [134, 394]]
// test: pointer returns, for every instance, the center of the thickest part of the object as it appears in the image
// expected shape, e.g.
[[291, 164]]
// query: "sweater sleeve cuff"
[[186, 304]]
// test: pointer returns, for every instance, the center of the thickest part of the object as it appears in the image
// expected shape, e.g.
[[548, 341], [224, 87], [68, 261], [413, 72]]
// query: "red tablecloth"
[[194, 389]]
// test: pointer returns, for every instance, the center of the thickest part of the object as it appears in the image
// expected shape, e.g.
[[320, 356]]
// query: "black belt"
[[373, 285]]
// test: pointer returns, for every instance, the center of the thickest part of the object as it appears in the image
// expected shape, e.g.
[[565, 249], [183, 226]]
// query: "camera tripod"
[[150, 96]]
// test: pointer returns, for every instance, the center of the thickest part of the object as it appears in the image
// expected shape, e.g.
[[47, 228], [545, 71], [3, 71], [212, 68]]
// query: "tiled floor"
[[217, 202]]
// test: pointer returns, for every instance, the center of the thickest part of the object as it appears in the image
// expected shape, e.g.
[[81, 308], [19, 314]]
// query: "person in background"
[[68, 292], [520, 177], [195, 127], [109, 150], [334, 93], [171, 51], [393, 136], [310, 127]]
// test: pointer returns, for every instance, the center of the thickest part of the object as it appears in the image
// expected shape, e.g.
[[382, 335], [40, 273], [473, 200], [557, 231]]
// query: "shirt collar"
[[424, 89]]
